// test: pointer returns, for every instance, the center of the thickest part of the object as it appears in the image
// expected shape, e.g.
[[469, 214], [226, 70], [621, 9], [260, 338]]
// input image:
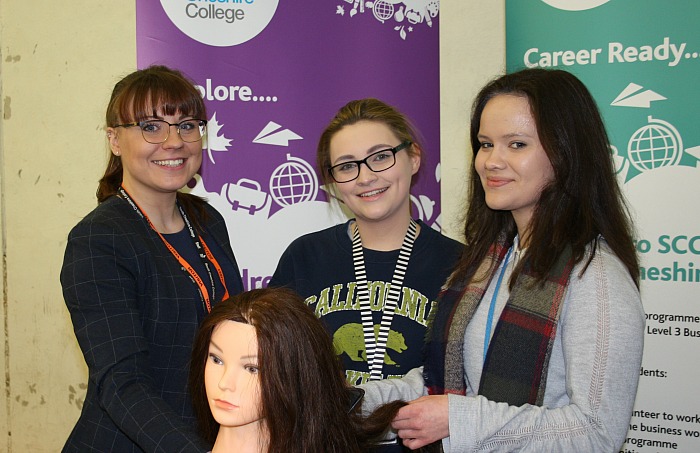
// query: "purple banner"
[[273, 74]]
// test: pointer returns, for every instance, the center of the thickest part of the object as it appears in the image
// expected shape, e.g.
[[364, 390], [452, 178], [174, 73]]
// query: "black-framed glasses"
[[158, 131], [379, 161]]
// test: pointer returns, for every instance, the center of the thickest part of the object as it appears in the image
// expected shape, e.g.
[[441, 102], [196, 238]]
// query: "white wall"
[[472, 52], [58, 62]]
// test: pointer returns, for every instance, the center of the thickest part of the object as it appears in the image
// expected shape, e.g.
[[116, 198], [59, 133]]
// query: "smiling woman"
[[372, 280], [511, 163], [537, 340], [133, 278], [382, 267]]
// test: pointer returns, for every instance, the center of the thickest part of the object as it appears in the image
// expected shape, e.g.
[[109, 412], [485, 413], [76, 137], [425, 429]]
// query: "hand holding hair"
[[423, 421]]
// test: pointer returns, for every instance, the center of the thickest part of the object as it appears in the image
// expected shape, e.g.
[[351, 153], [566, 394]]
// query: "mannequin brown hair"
[[305, 398]]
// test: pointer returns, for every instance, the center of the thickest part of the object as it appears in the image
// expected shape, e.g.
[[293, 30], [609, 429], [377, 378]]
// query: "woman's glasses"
[[158, 131], [379, 161]]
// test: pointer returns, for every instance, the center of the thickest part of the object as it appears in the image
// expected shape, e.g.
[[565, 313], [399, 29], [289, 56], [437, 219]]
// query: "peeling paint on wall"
[[6, 108], [77, 399], [33, 397]]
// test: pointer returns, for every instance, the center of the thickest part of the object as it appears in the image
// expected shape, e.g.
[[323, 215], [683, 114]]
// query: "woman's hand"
[[423, 421]]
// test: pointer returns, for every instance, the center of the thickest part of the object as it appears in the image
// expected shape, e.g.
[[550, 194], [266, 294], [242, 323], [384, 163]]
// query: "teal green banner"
[[641, 61], [639, 58]]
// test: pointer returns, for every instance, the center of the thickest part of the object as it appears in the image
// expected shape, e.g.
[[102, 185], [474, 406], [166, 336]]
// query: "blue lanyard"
[[492, 307]]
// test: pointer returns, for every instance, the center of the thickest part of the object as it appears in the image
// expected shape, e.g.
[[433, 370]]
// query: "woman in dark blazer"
[[143, 269]]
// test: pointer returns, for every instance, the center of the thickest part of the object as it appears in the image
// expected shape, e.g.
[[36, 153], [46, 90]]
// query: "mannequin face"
[[231, 376]]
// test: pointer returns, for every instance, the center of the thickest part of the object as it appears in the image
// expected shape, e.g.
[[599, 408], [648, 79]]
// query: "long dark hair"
[[305, 398], [139, 96], [584, 199]]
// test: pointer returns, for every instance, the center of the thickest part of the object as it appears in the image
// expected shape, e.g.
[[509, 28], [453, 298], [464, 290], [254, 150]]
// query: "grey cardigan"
[[591, 382]]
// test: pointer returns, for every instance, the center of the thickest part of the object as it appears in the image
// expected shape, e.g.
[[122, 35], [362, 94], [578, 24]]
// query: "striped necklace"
[[375, 344]]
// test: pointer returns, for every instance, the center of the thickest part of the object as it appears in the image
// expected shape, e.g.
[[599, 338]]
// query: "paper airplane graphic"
[[268, 136], [632, 97], [694, 151]]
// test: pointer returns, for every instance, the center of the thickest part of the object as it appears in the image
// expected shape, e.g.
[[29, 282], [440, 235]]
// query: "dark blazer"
[[135, 315]]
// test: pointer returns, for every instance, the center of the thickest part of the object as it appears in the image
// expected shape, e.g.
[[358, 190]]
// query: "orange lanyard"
[[199, 244]]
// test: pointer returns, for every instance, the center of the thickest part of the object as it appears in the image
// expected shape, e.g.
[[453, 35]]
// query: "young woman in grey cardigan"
[[537, 341]]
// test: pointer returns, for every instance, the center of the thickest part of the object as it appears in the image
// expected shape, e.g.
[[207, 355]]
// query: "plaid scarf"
[[515, 370]]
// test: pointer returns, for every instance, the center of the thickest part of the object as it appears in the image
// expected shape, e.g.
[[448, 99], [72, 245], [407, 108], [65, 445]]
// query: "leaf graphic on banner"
[[214, 141], [401, 31]]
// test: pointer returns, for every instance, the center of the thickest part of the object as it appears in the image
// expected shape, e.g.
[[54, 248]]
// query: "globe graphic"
[[653, 146], [293, 183], [382, 10]]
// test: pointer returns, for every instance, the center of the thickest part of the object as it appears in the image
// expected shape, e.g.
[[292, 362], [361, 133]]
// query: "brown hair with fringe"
[[142, 95]]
